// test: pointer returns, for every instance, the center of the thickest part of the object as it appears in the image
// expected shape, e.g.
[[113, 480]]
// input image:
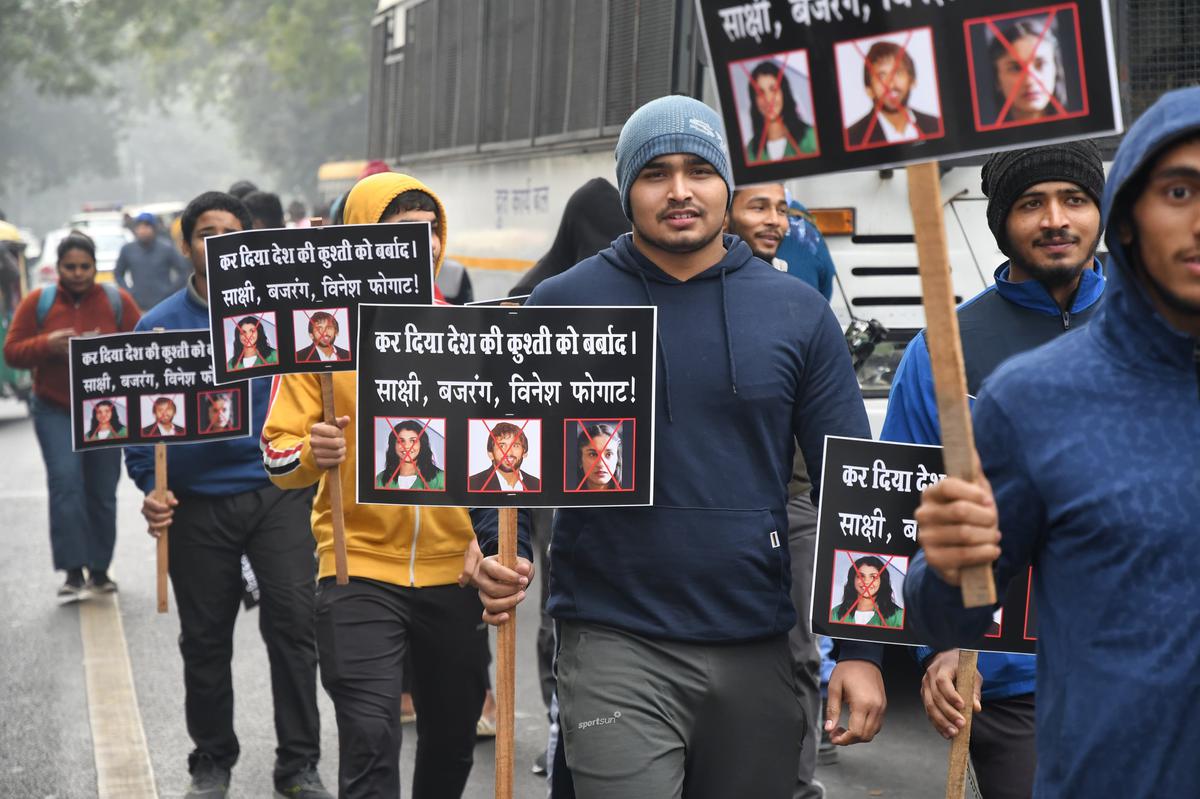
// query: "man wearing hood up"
[[1090, 447], [1044, 211], [673, 665], [404, 565]]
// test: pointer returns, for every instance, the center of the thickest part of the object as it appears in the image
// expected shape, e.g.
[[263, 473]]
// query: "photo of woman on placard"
[[867, 597], [408, 462], [1025, 68], [777, 131], [598, 449], [1028, 69], [105, 423], [250, 346]]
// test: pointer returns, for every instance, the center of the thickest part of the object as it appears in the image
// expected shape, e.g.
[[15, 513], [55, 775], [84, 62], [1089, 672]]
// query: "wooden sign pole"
[[335, 488], [954, 412], [506, 658], [160, 494]]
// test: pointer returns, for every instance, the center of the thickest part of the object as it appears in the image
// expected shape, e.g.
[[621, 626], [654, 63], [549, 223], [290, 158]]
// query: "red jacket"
[[27, 347]]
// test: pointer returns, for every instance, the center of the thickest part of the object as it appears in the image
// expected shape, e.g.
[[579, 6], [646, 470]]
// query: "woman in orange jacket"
[[82, 485]]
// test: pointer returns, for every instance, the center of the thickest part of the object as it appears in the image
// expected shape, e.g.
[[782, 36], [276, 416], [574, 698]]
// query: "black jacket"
[[926, 125]]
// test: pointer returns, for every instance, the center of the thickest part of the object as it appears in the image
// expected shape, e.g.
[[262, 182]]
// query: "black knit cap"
[[1006, 175]]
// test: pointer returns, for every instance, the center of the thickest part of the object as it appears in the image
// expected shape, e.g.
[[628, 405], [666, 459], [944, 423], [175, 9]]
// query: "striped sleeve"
[[295, 407]]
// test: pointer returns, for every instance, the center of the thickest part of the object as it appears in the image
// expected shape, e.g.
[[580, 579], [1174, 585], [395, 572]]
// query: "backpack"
[[46, 301]]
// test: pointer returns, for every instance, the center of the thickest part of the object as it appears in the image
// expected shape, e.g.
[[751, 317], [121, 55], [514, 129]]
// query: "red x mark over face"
[[408, 452], [598, 463], [513, 441], [866, 584], [885, 88], [1023, 72], [327, 332], [772, 102]]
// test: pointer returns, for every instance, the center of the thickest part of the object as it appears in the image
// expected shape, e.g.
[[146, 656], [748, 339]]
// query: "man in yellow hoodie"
[[404, 564]]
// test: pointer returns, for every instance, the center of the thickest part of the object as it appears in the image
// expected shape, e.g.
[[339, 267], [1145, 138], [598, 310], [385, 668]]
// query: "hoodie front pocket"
[[684, 572]]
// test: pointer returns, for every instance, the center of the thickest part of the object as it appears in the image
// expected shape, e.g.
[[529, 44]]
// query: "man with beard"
[[164, 420], [507, 446], [759, 216], [1091, 470], [889, 76], [673, 663], [1044, 210], [323, 330]]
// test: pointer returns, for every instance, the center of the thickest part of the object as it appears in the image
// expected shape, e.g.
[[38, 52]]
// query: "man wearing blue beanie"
[[674, 673]]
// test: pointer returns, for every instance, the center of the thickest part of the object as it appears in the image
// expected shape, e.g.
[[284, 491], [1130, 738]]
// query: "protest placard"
[[866, 538], [506, 407], [147, 388], [286, 300], [814, 86]]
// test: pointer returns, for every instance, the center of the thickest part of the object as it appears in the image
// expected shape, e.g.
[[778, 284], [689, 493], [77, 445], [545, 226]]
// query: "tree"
[[291, 76]]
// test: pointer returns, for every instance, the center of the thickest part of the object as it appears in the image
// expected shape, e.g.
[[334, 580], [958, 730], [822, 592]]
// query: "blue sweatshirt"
[[750, 360], [805, 251], [1003, 320], [1092, 446], [218, 468]]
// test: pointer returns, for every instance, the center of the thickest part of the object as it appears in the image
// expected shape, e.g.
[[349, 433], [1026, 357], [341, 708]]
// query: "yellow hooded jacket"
[[402, 545]]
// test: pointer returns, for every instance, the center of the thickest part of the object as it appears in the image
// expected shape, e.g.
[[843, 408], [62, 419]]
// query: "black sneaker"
[[209, 781], [304, 785], [539, 764], [99, 582], [72, 590]]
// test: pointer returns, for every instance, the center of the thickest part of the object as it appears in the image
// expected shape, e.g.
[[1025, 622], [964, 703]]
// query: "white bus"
[[506, 107]]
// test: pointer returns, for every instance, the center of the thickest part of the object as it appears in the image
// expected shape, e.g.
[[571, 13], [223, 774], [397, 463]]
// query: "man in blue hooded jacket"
[[675, 677], [1092, 471], [221, 505], [1044, 211]]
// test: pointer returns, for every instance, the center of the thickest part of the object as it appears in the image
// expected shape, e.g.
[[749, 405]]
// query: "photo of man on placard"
[[889, 89], [325, 334], [1026, 68], [773, 97], [166, 415], [250, 344], [508, 448]]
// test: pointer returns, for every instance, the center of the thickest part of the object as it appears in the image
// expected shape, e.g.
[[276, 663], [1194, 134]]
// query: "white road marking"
[[123, 769]]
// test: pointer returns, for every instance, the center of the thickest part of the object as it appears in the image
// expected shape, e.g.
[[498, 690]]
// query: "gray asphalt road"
[[46, 743]]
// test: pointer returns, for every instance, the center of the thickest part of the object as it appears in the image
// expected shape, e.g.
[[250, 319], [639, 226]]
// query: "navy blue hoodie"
[[750, 360], [1092, 446]]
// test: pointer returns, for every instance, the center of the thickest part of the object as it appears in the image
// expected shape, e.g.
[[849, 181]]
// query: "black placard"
[[455, 396], [146, 388], [977, 76], [280, 290], [866, 538]]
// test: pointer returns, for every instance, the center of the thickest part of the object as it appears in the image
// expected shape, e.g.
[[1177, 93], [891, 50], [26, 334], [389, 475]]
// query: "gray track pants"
[[802, 538], [653, 719]]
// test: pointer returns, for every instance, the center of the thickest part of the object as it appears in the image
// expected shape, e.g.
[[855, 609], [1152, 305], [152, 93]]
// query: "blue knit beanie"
[[668, 125]]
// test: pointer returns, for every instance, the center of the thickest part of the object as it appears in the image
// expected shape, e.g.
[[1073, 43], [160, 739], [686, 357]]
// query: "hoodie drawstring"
[[1196, 360], [661, 349], [728, 334]]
